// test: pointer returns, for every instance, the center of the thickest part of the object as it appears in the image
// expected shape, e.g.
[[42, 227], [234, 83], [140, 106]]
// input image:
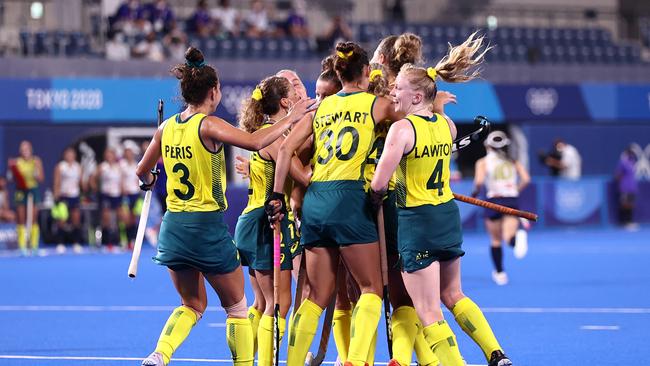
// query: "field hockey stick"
[[317, 360], [29, 218], [384, 277], [499, 208], [277, 239], [144, 215], [483, 129]]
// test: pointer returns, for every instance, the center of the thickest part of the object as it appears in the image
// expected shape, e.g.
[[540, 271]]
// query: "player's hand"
[[148, 186], [275, 208], [242, 166], [301, 108], [376, 197], [442, 98]]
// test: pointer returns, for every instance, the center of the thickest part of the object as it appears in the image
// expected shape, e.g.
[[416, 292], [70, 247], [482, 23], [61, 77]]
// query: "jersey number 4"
[[184, 180], [328, 136], [435, 181]]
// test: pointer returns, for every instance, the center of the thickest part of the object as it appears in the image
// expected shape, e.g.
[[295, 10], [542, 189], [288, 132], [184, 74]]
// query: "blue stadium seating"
[[512, 44]]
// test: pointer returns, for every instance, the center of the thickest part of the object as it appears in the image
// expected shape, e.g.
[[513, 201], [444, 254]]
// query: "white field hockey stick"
[[144, 215], [29, 218]]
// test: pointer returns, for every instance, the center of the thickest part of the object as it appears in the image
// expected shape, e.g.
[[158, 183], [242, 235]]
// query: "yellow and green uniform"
[[336, 212], [390, 209], [193, 233], [253, 234], [428, 218], [335, 208], [26, 168]]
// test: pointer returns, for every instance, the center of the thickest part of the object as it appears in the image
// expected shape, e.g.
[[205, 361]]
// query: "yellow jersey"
[[423, 173], [343, 136], [196, 176], [27, 170], [260, 179], [381, 131]]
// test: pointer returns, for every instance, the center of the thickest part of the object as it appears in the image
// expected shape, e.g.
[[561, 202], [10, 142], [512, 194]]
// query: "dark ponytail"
[[350, 59], [197, 78]]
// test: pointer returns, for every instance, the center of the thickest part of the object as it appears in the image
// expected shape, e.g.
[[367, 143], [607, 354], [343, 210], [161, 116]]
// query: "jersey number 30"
[[328, 136], [184, 180], [435, 181]]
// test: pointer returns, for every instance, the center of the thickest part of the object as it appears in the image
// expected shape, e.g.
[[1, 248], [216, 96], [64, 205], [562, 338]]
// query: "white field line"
[[92, 358], [136, 308], [600, 327]]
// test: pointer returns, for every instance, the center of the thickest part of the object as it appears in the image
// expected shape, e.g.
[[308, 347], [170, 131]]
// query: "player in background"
[[132, 202], [67, 195], [6, 213], [504, 179], [107, 181], [194, 243], [27, 173]]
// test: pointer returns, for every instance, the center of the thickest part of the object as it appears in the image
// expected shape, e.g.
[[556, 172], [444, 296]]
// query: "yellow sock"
[[303, 329], [33, 238], [365, 317], [254, 316], [341, 320], [471, 319], [370, 359], [443, 343], [265, 339], [404, 329], [423, 353], [22, 240], [176, 329], [239, 335]]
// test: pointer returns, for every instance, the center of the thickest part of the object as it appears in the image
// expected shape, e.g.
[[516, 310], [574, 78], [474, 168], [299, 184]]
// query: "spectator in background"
[[296, 23], [564, 160], [116, 48], [338, 31], [257, 20], [149, 48], [200, 23], [628, 188], [160, 15], [228, 18], [175, 45], [6, 213], [67, 193], [130, 19]]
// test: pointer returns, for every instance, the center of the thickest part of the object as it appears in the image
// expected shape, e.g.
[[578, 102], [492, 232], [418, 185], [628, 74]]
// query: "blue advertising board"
[[542, 102]]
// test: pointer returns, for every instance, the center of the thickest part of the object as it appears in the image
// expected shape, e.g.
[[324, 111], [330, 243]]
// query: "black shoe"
[[497, 358]]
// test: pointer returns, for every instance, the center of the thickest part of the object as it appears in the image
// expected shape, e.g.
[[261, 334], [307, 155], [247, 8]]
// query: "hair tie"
[[375, 74], [195, 63], [257, 94], [344, 55], [431, 73]]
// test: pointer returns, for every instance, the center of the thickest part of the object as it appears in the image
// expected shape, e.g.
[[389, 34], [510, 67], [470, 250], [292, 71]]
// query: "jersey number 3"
[[184, 180], [435, 181]]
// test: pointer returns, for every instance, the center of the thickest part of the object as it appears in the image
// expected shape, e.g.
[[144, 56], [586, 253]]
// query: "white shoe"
[[521, 244], [76, 248], [154, 359], [500, 278], [60, 249]]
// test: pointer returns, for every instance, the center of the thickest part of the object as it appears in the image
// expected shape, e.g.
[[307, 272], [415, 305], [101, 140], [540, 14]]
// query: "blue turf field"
[[579, 298]]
